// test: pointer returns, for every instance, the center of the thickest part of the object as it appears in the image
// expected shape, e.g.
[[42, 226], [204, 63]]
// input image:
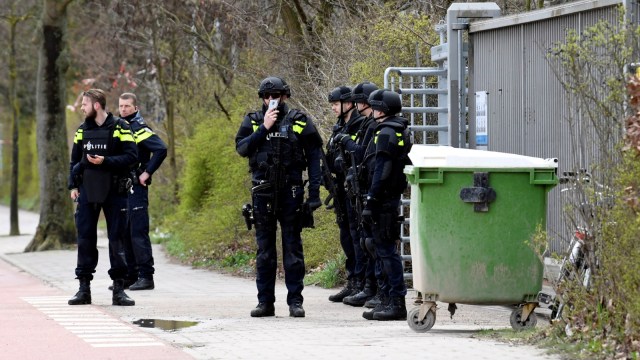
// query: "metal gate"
[[435, 98]]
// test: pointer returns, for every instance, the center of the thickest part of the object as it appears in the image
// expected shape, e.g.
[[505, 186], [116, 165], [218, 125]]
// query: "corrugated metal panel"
[[528, 112]]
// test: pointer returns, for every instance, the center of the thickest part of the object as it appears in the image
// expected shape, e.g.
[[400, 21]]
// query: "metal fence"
[[528, 112]]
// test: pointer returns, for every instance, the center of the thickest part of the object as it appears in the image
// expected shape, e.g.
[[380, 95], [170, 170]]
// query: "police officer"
[[369, 296], [386, 158], [347, 126], [280, 143], [137, 247], [102, 154]]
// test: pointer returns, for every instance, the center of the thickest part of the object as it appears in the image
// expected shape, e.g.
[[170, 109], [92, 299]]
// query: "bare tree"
[[12, 19], [56, 225]]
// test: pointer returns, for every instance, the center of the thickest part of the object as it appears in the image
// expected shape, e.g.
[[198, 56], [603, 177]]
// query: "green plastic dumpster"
[[472, 216]]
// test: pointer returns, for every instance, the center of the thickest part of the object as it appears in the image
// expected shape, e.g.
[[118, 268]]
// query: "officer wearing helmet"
[[370, 294], [385, 159], [347, 126], [280, 143]]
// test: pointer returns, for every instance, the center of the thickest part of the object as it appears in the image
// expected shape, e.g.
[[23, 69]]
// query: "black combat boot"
[[263, 309], [375, 300], [127, 282], [397, 310], [143, 284], [296, 310], [83, 296], [384, 302], [119, 296], [346, 291], [356, 286], [360, 298]]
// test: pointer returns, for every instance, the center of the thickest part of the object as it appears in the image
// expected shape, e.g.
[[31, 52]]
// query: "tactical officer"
[[280, 143], [385, 158], [137, 247], [102, 154], [369, 296], [348, 124]]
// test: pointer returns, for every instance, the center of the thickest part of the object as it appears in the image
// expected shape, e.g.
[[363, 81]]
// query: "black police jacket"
[[292, 142], [113, 140], [351, 128], [364, 136], [386, 157], [149, 143]]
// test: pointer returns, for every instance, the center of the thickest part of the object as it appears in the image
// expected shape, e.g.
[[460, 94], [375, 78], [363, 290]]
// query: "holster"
[[123, 184]]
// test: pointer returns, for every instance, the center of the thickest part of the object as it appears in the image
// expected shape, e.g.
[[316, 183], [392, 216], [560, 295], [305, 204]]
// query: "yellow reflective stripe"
[[254, 125], [398, 135], [123, 135], [78, 137], [353, 137], [142, 135], [298, 126]]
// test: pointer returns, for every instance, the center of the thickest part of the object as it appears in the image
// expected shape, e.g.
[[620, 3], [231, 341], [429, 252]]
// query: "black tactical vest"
[[281, 148], [96, 180]]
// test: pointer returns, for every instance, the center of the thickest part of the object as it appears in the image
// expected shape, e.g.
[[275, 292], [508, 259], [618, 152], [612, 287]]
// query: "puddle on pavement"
[[168, 325]]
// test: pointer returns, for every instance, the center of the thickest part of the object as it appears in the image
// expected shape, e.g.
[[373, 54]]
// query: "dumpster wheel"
[[422, 318], [518, 324]]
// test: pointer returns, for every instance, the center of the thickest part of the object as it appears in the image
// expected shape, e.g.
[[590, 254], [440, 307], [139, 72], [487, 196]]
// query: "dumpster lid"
[[435, 156]]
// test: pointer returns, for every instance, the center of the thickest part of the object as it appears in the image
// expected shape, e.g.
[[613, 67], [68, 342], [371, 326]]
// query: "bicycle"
[[580, 259]]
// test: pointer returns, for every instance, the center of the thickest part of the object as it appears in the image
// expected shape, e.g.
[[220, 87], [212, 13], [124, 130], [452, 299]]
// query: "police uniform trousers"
[[386, 230], [371, 259], [288, 216], [344, 229], [359, 261], [137, 244], [86, 217]]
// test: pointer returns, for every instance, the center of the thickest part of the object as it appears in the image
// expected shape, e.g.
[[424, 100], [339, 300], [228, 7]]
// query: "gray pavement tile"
[[221, 305]]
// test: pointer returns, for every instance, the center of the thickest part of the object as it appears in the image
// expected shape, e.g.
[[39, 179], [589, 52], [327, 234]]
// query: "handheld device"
[[273, 103]]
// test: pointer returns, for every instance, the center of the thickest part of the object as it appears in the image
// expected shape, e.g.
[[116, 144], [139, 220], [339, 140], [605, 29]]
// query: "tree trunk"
[[15, 110], [56, 225]]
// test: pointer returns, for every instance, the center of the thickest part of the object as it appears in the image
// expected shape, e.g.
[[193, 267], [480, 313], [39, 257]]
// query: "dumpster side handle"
[[480, 194]]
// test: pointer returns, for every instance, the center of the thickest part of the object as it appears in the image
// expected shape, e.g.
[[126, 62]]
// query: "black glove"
[[314, 203], [371, 206], [342, 138]]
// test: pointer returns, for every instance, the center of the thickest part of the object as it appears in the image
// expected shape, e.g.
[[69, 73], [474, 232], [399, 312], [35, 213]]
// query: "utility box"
[[473, 214]]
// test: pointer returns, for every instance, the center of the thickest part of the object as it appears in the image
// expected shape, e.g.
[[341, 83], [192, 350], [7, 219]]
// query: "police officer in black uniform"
[[280, 143], [369, 296], [347, 126], [385, 158], [137, 244], [103, 153]]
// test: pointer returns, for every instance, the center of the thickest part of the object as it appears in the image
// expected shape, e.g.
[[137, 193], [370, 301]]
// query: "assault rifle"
[[352, 179], [329, 183]]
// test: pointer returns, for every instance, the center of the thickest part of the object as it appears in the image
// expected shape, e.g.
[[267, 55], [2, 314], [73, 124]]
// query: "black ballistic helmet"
[[272, 85], [362, 91], [341, 93], [385, 100]]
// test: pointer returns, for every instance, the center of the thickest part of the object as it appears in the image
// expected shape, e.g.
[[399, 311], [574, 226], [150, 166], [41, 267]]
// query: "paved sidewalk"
[[221, 305]]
